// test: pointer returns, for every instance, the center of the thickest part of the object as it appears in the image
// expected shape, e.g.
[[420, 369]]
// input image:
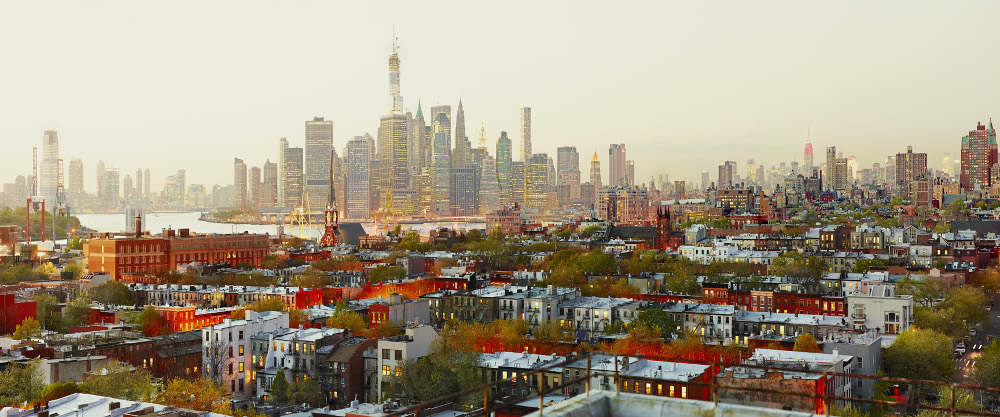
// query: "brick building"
[[130, 254]]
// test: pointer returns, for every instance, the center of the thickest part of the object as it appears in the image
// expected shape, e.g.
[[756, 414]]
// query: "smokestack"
[[138, 226]]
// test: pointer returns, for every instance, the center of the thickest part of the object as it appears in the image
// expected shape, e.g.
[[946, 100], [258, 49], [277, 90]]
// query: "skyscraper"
[[464, 189], [396, 100], [269, 187], [979, 154], [705, 179], [139, 184], [568, 169], [239, 184], [441, 164], [946, 164], [319, 143], [128, 188], [49, 169], [145, 183], [174, 188], [99, 176], [517, 175], [254, 186], [357, 156], [76, 176], [489, 187], [536, 182], [630, 172], [909, 166], [525, 134], [292, 177], [807, 157], [595, 171], [616, 164], [463, 147], [393, 158], [282, 147], [423, 140], [504, 166], [726, 171]]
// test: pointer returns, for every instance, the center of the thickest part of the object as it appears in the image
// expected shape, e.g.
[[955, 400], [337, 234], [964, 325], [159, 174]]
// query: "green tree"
[[76, 243], [279, 388], [961, 309], [268, 304], [58, 390], [550, 331], [311, 278], [20, 383], [920, 354], [411, 242], [124, 381], [152, 322], [806, 343], [596, 262], [655, 318], [76, 311], [113, 293], [799, 268], [346, 319], [384, 273], [295, 242], [305, 391], [47, 269], [965, 400], [47, 311], [28, 328], [987, 370], [862, 266]]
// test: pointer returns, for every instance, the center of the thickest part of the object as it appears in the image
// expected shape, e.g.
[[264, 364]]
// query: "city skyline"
[[814, 90]]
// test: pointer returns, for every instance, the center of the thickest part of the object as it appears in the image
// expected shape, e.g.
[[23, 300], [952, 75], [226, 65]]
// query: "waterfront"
[[115, 222]]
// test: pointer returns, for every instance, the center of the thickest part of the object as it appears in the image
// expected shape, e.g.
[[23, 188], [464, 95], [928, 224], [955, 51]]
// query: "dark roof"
[[350, 233], [631, 232], [170, 351], [982, 227], [347, 348], [182, 337]]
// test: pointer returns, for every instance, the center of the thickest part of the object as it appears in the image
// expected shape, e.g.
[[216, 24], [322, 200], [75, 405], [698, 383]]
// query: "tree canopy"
[[920, 354], [806, 343]]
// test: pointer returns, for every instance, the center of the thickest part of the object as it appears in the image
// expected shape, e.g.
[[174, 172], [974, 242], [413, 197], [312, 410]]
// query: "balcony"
[[858, 316]]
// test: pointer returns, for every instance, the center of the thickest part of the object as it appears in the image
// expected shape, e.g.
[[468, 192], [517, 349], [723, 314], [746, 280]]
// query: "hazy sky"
[[686, 85]]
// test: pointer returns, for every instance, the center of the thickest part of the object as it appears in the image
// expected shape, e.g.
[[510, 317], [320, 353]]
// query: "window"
[[386, 370], [649, 387], [659, 389], [684, 392], [241, 334], [241, 350], [399, 355], [230, 351], [241, 366], [385, 353], [671, 390], [230, 368], [399, 371], [861, 362]]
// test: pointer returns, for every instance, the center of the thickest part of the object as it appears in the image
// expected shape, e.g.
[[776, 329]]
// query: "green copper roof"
[[420, 113]]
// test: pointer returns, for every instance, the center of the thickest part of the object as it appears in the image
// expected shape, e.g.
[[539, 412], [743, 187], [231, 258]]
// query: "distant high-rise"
[[630, 172], [441, 163], [292, 178], [616, 164], [705, 179], [319, 144], [463, 147], [254, 186], [396, 100], [282, 147], [139, 184], [909, 166], [568, 169], [504, 166], [525, 134], [49, 169], [393, 158], [442, 125], [517, 176], [99, 176], [110, 190], [145, 184], [807, 157], [128, 188], [174, 189], [464, 189], [946, 164], [76, 176], [489, 187], [269, 186], [536, 182], [240, 184], [423, 140], [979, 154], [726, 173], [357, 159], [595, 171]]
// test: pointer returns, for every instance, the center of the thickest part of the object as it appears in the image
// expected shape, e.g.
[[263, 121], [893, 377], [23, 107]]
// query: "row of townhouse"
[[227, 351], [298, 353], [607, 373], [215, 296], [773, 298], [725, 251]]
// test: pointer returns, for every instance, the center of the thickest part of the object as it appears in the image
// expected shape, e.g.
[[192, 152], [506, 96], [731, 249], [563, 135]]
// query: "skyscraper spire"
[[482, 136]]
